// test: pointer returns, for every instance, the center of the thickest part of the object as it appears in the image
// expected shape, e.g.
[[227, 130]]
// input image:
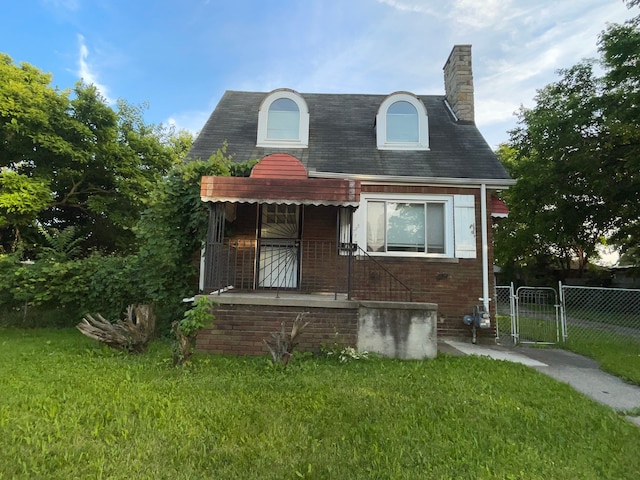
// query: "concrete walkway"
[[582, 373]]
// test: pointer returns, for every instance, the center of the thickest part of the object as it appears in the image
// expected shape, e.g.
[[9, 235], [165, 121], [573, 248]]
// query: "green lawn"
[[72, 409]]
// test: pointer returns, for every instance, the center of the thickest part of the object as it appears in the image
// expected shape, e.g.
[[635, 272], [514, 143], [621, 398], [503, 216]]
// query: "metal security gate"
[[279, 246], [537, 316]]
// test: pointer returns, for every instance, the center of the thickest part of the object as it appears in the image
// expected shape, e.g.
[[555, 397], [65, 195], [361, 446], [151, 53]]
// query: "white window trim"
[[360, 219], [263, 117], [423, 124]]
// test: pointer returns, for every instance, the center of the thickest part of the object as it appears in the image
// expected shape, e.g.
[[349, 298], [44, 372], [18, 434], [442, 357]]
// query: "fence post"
[[563, 313], [512, 311]]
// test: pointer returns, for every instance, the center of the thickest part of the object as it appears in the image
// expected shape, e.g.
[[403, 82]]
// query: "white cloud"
[[494, 111], [86, 71], [408, 6], [480, 14], [547, 37]]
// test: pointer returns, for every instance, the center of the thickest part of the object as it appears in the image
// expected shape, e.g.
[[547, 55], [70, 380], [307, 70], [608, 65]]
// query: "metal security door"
[[538, 317], [279, 246]]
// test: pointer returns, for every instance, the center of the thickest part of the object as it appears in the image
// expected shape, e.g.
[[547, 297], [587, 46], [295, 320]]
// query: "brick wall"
[[241, 329]]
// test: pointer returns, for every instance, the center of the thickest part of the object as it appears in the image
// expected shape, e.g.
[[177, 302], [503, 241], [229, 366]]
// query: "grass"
[[70, 408], [616, 354], [532, 329]]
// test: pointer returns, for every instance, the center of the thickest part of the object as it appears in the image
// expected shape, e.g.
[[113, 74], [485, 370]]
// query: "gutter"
[[497, 183]]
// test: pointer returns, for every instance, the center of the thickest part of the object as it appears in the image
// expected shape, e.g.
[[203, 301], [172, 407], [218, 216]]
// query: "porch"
[[278, 268], [244, 320]]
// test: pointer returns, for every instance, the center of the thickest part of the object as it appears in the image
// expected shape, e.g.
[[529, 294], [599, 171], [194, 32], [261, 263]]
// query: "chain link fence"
[[601, 315], [589, 315]]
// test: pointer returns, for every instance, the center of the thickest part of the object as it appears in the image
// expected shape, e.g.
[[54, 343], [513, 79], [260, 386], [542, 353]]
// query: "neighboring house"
[[384, 198]]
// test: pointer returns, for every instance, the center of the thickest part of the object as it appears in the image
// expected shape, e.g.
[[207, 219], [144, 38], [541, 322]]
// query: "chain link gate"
[[592, 315], [538, 318], [505, 314], [528, 315]]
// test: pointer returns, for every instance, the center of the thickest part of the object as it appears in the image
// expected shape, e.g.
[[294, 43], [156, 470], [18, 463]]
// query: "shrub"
[[281, 345], [186, 330]]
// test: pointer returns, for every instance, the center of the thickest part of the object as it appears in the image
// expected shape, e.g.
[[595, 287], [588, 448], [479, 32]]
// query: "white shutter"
[[464, 218]]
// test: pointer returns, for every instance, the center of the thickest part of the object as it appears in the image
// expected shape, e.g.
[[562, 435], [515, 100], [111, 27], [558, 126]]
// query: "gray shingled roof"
[[342, 139]]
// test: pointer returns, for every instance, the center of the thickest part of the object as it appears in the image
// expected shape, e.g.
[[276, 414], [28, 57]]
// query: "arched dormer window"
[[283, 120], [402, 123]]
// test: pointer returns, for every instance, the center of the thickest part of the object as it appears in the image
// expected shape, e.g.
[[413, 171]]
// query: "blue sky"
[[179, 56]]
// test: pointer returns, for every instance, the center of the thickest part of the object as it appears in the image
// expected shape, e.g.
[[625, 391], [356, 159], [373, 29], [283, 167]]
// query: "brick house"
[[372, 212]]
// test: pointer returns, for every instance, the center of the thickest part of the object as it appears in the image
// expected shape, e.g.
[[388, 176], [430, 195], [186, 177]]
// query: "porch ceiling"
[[298, 191]]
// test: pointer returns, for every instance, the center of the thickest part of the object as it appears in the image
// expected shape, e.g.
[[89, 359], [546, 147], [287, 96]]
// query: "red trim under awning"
[[298, 191]]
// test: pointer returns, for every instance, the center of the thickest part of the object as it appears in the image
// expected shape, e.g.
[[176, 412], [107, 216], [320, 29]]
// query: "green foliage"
[[80, 177], [619, 47], [104, 283], [452, 417], [346, 354], [576, 156], [197, 317], [173, 229], [60, 245], [99, 163], [22, 199], [171, 233], [186, 330]]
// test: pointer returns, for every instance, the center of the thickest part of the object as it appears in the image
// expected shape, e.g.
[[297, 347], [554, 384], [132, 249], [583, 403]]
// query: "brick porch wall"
[[241, 329]]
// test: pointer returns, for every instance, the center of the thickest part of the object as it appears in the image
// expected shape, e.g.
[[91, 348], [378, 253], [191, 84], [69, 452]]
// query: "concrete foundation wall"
[[398, 330], [392, 329]]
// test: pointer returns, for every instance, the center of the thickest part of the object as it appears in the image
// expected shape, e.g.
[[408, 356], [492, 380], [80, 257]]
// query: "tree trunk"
[[130, 334]]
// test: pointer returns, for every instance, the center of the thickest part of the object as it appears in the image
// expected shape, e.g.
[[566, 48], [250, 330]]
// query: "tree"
[[556, 210], [576, 157], [100, 163], [22, 199], [620, 49]]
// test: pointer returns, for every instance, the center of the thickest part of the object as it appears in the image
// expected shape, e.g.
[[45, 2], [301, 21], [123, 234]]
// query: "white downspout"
[[485, 247], [202, 264]]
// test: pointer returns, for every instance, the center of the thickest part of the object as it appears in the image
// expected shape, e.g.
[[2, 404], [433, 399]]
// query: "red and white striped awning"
[[281, 178]]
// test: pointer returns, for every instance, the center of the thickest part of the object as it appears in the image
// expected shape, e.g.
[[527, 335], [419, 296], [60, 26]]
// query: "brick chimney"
[[458, 83]]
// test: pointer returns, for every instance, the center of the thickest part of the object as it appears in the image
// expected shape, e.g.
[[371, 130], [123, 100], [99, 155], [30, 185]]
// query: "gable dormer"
[[402, 123], [283, 120]]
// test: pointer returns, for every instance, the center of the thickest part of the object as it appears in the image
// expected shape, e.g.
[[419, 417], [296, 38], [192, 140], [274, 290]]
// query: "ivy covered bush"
[[161, 272]]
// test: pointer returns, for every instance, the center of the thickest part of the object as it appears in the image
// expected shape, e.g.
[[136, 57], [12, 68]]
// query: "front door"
[[279, 246]]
